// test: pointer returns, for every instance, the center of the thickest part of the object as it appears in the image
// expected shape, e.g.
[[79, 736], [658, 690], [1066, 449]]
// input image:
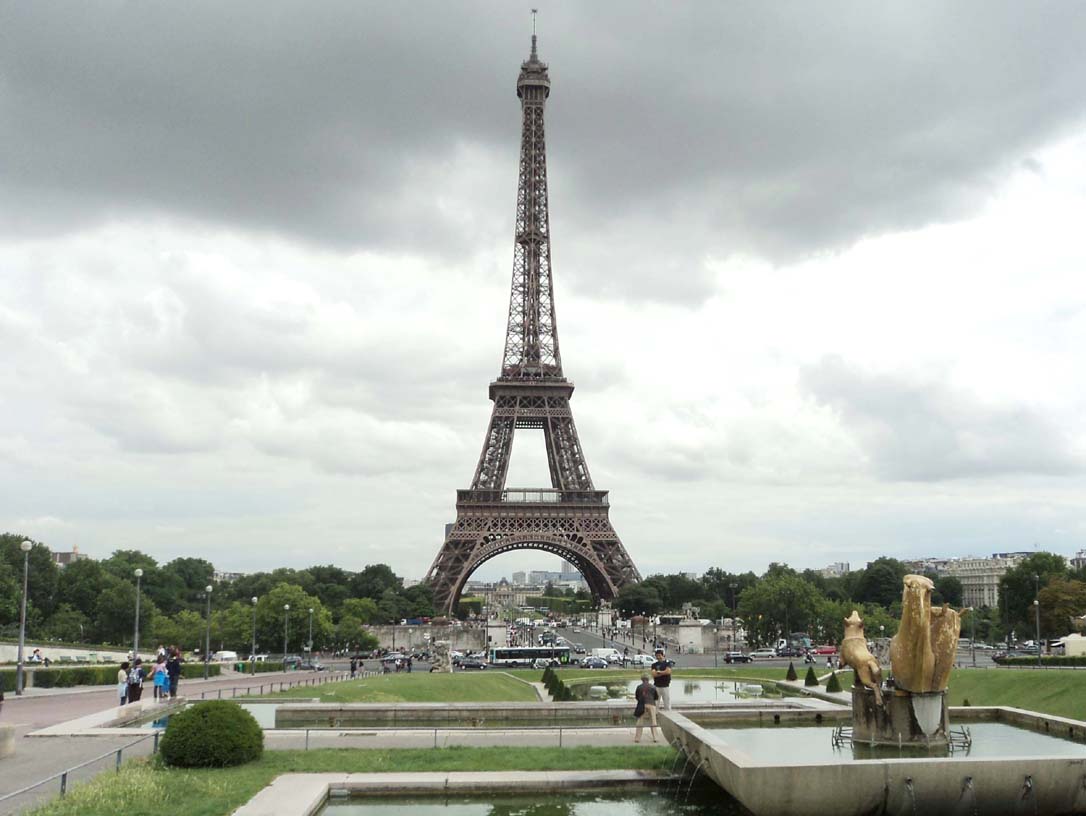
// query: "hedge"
[[262, 666], [67, 677], [1055, 660]]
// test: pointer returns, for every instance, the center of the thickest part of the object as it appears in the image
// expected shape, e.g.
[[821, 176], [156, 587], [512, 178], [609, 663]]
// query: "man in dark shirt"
[[646, 696], [661, 678]]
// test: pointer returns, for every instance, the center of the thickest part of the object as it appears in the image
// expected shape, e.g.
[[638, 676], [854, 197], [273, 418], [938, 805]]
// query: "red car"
[[825, 650]]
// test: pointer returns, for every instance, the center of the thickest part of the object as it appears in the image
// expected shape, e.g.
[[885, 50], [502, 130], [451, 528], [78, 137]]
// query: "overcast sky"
[[819, 275]]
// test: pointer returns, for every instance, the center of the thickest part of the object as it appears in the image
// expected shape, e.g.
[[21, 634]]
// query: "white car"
[[762, 654], [641, 660]]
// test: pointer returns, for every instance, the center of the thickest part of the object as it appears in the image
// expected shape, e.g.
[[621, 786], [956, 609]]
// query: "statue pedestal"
[[902, 719]]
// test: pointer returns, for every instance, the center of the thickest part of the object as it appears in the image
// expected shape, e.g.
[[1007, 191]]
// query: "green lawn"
[[745, 672], [423, 687], [144, 788], [1052, 691]]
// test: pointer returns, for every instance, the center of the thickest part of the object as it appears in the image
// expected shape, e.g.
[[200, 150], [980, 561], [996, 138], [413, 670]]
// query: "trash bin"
[[239, 667]]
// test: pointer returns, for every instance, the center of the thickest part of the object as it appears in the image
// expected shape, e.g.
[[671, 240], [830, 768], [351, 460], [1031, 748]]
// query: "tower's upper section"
[[533, 75], [531, 337]]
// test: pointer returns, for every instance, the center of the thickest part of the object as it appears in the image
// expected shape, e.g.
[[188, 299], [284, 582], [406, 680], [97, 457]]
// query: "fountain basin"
[[788, 780]]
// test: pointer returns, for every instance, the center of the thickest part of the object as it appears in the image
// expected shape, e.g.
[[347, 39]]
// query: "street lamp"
[[973, 634], [207, 631], [136, 639], [25, 547], [252, 654], [286, 629], [311, 633], [1037, 612]]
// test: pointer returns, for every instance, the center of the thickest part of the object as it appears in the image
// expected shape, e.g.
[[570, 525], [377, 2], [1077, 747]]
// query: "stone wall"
[[461, 638], [9, 652]]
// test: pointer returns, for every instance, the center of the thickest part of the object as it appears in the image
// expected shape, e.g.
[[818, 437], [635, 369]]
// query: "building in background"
[[520, 577], [63, 559], [838, 569], [979, 576]]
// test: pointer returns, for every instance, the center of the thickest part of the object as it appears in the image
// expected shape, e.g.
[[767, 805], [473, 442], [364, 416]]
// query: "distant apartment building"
[[63, 559], [838, 569], [1078, 560], [979, 576], [227, 577], [520, 577]]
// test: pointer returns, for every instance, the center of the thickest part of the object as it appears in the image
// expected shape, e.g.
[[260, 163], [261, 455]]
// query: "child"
[[122, 682], [161, 681]]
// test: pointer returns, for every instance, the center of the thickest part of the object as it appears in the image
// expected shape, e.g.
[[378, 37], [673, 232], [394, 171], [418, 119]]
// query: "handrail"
[[63, 775]]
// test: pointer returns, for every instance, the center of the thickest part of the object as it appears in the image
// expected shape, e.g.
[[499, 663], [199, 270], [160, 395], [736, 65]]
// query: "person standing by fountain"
[[661, 678], [646, 696]]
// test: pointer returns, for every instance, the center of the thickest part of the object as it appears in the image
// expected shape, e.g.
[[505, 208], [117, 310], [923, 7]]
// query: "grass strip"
[[421, 687], [1061, 692], [145, 787]]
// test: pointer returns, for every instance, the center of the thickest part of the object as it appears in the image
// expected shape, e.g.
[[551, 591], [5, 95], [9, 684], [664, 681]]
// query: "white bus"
[[513, 656]]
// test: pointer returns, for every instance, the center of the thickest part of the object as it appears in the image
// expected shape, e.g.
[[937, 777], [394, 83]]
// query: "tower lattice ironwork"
[[570, 518]]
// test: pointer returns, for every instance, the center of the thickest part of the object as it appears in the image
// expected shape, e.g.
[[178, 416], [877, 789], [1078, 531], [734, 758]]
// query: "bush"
[[791, 676], [811, 679], [1055, 660], [212, 734], [833, 684], [70, 676], [262, 666]]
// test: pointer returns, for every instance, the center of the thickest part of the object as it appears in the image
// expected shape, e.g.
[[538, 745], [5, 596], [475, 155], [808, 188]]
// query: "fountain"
[[913, 712], [892, 751]]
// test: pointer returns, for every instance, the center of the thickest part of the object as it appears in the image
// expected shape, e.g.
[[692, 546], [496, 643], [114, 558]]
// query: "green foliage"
[[778, 605], [791, 676], [948, 589], [833, 684], [212, 734], [880, 582], [635, 599], [41, 589], [1061, 601], [1018, 587], [1053, 660], [811, 679]]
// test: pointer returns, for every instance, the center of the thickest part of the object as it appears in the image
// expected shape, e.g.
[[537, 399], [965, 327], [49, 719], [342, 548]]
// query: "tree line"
[[783, 600], [91, 601]]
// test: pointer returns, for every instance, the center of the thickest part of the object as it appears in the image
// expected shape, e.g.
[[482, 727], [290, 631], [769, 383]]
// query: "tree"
[[374, 580], [361, 609], [881, 582], [270, 618], [1060, 602], [115, 612], [184, 630], [67, 624], [948, 589], [635, 599], [42, 583], [776, 606], [83, 582], [1020, 585]]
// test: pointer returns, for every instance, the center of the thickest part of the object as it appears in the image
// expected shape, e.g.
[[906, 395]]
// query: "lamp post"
[[1037, 613], [25, 547], [136, 638], [286, 630], [311, 634], [973, 634], [252, 654], [207, 631], [733, 586]]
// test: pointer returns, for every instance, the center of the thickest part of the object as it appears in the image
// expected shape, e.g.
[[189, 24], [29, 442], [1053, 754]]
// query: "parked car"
[[787, 651], [546, 662], [578, 648], [472, 663], [615, 659], [641, 660], [594, 663], [311, 665], [763, 654], [826, 649], [737, 657]]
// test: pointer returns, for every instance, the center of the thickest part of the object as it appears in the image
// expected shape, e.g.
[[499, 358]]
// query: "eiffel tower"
[[570, 518]]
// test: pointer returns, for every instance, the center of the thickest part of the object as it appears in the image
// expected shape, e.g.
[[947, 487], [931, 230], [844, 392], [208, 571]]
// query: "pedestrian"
[[661, 678], [173, 670], [161, 679], [829, 661], [135, 681], [646, 696], [122, 682], [354, 667]]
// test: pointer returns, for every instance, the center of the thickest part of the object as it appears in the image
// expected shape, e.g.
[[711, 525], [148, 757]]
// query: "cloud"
[[775, 131], [920, 428]]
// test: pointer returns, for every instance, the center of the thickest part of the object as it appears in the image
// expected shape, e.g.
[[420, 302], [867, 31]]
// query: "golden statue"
[[923, 650], [854, 653]]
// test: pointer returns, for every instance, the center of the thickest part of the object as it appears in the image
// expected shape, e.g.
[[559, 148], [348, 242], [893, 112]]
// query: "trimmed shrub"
[[262, 666], [811, 679], [70, 676], [791, 676], [212, 734], [833, 684], [1055, 660]]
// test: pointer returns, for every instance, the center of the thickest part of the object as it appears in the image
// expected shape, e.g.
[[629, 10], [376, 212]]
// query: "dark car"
[[737, 657], [472, 663], [311, 665], [594, 663]]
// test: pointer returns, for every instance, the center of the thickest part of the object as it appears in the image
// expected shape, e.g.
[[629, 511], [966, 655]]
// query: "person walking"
[[160, 678], [354, 667], [135, 681], [661, 678], [173, 670], [122, 683], [646, 695]]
